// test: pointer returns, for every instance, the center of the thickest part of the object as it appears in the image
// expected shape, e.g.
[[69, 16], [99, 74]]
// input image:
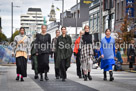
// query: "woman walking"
[[21, 51], [64, 53], [34, 60], [77, 55], [86, 53], [108, 54], [43, 40], [54, 42]]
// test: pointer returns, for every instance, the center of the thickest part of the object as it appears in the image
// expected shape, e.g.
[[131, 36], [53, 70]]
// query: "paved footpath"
[[124, 81]]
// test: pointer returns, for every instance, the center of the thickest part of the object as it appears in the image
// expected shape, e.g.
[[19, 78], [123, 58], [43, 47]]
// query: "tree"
[[126, 35], [3, 37], [14, 35]]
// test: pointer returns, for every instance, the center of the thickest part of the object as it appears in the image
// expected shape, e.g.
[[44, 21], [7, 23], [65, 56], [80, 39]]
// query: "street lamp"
[[76, 16], [12, 18], [62, 10]]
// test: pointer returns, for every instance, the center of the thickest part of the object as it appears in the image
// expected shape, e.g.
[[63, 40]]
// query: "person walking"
[[107, 54], [77, 54], [64, 53], [54, 42], [21, 50], [86, 53], [43, 49], [34, 60]]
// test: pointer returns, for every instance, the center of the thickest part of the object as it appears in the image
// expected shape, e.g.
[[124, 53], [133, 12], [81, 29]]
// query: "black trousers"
[[78, 64], [21, 63], [130, 64], [57, 72], [63, 69]]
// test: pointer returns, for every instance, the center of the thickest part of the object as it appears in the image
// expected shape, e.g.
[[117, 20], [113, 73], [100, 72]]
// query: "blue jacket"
[[118, 56]]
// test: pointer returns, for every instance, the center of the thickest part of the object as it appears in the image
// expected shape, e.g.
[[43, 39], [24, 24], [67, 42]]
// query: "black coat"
[[131, 52], [63, 53], [43, 44]]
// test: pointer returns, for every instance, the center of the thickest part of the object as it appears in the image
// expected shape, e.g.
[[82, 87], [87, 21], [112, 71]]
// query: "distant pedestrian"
[[118, 59], [86, 53], [131, 55], [54, 42], [108, 54], [64, 53], [21, 51], [43, 40], [77, 54]]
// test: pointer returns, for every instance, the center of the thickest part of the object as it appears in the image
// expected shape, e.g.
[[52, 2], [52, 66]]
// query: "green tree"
[[3, 37], [14, 35]]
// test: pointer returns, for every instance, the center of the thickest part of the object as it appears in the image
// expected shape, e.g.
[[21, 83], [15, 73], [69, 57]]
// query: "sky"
[[45, 5]]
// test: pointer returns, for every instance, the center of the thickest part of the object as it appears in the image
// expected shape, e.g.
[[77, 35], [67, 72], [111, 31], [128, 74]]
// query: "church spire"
[[52, 14]]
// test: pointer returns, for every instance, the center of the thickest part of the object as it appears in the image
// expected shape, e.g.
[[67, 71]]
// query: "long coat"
[[131, 52], [43, 51], [62, 52], [34, 57]]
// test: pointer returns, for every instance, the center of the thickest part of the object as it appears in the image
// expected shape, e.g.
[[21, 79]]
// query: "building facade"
[[79, 13], [122, 11], [94, 19], [52, 27], [32, 21], [108, 14]]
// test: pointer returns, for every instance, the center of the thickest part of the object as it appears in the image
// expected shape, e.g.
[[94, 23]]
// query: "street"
[[124, 81]]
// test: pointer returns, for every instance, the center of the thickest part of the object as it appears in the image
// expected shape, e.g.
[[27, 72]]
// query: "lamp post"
[[76, 16], [62, 10], [101, 20], [12, 18]]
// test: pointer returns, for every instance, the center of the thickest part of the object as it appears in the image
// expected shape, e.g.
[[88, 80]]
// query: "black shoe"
[[80, 77], [105, 76], [111, 76], [85, 77], [57, 77], [89, 77], [63, 80], [46, 78], [17, 78], [105, 79], [36, 77], [41, 78], [22, 80]]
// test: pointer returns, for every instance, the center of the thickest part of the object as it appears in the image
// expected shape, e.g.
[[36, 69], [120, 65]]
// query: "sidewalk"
[[124, 81], [8, 82]]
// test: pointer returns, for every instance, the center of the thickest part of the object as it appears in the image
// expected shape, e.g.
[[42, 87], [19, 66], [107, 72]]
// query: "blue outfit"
[[118, 56], [98, 53], [108, 50]]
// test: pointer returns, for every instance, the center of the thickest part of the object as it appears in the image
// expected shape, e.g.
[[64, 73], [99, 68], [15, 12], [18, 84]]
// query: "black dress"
[[21, 63], [43, 49]]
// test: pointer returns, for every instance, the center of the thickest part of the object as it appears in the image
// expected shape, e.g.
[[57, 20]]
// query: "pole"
[[101, 28], [62, 12], [76, 16], [36, 21], [11, 20]]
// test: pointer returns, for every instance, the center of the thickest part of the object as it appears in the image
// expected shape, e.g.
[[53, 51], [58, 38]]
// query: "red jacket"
[[77, 42]]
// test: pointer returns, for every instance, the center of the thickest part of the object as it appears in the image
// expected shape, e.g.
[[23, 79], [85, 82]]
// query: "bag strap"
[[21, 40]]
